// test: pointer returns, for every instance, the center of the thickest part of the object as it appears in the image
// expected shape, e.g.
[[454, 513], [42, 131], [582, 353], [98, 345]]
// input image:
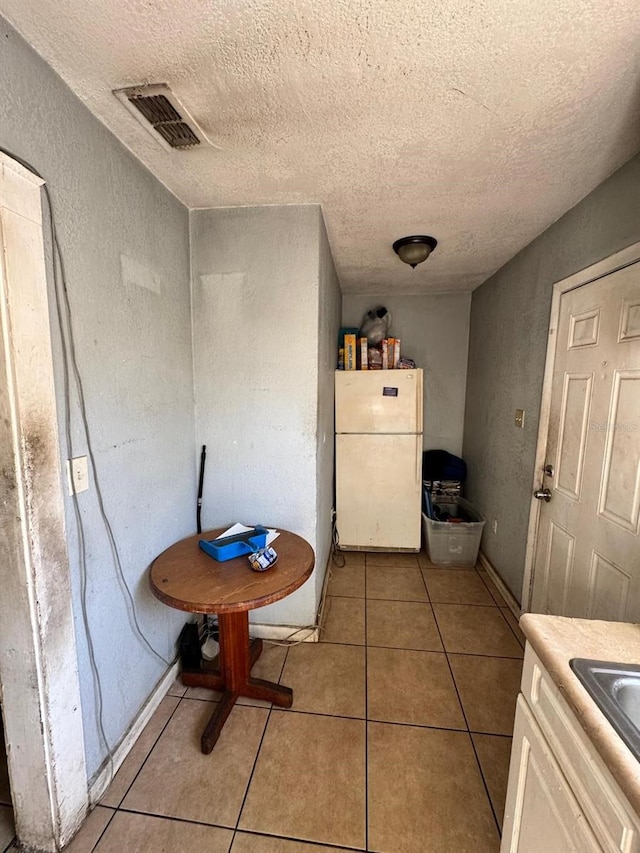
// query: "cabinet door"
[[541, 813]]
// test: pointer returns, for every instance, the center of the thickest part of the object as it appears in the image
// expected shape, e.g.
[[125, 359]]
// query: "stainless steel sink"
[[615, 688]]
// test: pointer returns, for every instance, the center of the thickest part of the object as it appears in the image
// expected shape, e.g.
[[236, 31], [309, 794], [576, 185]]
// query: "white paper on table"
[[272, 533]]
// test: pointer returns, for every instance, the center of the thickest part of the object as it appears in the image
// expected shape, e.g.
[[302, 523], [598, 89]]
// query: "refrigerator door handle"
[[419, 461]]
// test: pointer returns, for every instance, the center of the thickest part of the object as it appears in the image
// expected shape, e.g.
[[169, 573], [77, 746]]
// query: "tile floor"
[[398, 741]]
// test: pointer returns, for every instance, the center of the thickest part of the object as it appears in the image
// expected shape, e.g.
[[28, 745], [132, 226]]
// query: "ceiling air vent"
[[162, 114]]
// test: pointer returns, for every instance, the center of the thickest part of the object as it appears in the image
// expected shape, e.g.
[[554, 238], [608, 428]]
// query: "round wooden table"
[[186, 578]]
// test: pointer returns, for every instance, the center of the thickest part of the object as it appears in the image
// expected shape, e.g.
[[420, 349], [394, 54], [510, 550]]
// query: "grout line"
[[322, 844], [388, 722], [420, 601], [479, 655], [255, 760], [492, 589], [439, 651], [107, 825], [473, 746], [511, 628], [398, 649], [153, 746], [175, 819]]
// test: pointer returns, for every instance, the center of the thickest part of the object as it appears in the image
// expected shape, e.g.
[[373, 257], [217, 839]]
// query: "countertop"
[[558, 639]]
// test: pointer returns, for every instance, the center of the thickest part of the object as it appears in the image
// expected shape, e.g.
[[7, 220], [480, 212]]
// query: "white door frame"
[[39, 684], [623, 258]]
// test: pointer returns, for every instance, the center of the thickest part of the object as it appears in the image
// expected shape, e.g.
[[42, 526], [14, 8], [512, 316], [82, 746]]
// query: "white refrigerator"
[[379, 459]]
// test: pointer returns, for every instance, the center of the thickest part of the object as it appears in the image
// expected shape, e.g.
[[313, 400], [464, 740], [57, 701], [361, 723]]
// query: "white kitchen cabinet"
[[560, 797], [544, 815]]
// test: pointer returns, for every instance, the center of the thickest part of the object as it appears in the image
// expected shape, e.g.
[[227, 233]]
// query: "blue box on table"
[[236, 545]]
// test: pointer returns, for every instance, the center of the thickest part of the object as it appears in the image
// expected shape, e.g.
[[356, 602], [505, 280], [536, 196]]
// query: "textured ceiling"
[[477, 121]]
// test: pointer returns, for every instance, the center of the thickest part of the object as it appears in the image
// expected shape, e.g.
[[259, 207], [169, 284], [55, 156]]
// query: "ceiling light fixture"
[[414, 250]]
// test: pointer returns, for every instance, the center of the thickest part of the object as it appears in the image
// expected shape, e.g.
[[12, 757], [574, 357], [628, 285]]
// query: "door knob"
[[542, 495]]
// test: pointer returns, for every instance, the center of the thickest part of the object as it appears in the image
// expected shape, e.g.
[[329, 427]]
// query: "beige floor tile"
[[309, 781], [246, 843], [347, 581], [412, 687], [85, 840], [402, 625], [137, 833], [351, 558], [403, 561], [268, 666], [327, 678], [462, 586], [426, 793], [343, 621], [7, 828], [206, 788], [137, 756], [395, 583], [494, 754], [488, 689], [177, 688], [475, 630], [513, 624]]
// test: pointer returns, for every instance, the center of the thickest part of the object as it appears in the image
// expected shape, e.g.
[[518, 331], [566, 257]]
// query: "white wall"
[[434, 330], [133, 338], [255, 281]]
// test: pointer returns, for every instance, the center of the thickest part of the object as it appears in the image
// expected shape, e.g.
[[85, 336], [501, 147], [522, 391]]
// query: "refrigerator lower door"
[[378, 485]]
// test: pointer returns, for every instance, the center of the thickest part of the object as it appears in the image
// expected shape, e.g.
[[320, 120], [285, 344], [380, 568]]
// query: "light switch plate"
[[78, 469], [519, 419]]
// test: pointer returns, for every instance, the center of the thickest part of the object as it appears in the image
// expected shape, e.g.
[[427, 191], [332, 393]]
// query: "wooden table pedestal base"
[[233, 675]]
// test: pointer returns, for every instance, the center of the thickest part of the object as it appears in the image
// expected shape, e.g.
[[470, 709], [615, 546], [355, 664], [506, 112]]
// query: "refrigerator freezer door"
[[378, 401], [378, 482]]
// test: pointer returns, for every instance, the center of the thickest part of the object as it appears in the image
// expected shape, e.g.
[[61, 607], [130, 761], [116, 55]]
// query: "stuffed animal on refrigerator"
[[375, 325]]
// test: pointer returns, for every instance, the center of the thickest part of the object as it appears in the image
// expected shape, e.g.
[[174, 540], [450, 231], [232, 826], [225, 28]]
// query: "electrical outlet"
[[78, 475], [494, 525]]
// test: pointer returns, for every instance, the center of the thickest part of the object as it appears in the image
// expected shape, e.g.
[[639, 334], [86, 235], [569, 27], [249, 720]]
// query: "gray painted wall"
[[329, 313], [256, 285], [434, 330], [508, 340], [134, 350]]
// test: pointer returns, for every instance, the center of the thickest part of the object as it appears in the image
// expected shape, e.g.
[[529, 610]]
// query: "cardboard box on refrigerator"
[[350, 352]]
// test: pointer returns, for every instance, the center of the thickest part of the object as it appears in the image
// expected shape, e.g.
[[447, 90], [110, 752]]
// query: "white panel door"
[[378, 484], [378, 401], [541, 813], [587, 560]]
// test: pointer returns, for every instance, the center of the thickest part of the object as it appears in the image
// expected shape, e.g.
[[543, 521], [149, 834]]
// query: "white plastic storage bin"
[[454, 543]]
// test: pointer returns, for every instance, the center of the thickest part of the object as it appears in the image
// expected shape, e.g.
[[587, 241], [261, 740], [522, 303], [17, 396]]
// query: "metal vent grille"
[[165, 119], [157, 108]]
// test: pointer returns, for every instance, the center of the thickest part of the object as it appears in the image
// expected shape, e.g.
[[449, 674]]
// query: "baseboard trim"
[[103, 778], [502, 587], [284, 632]]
